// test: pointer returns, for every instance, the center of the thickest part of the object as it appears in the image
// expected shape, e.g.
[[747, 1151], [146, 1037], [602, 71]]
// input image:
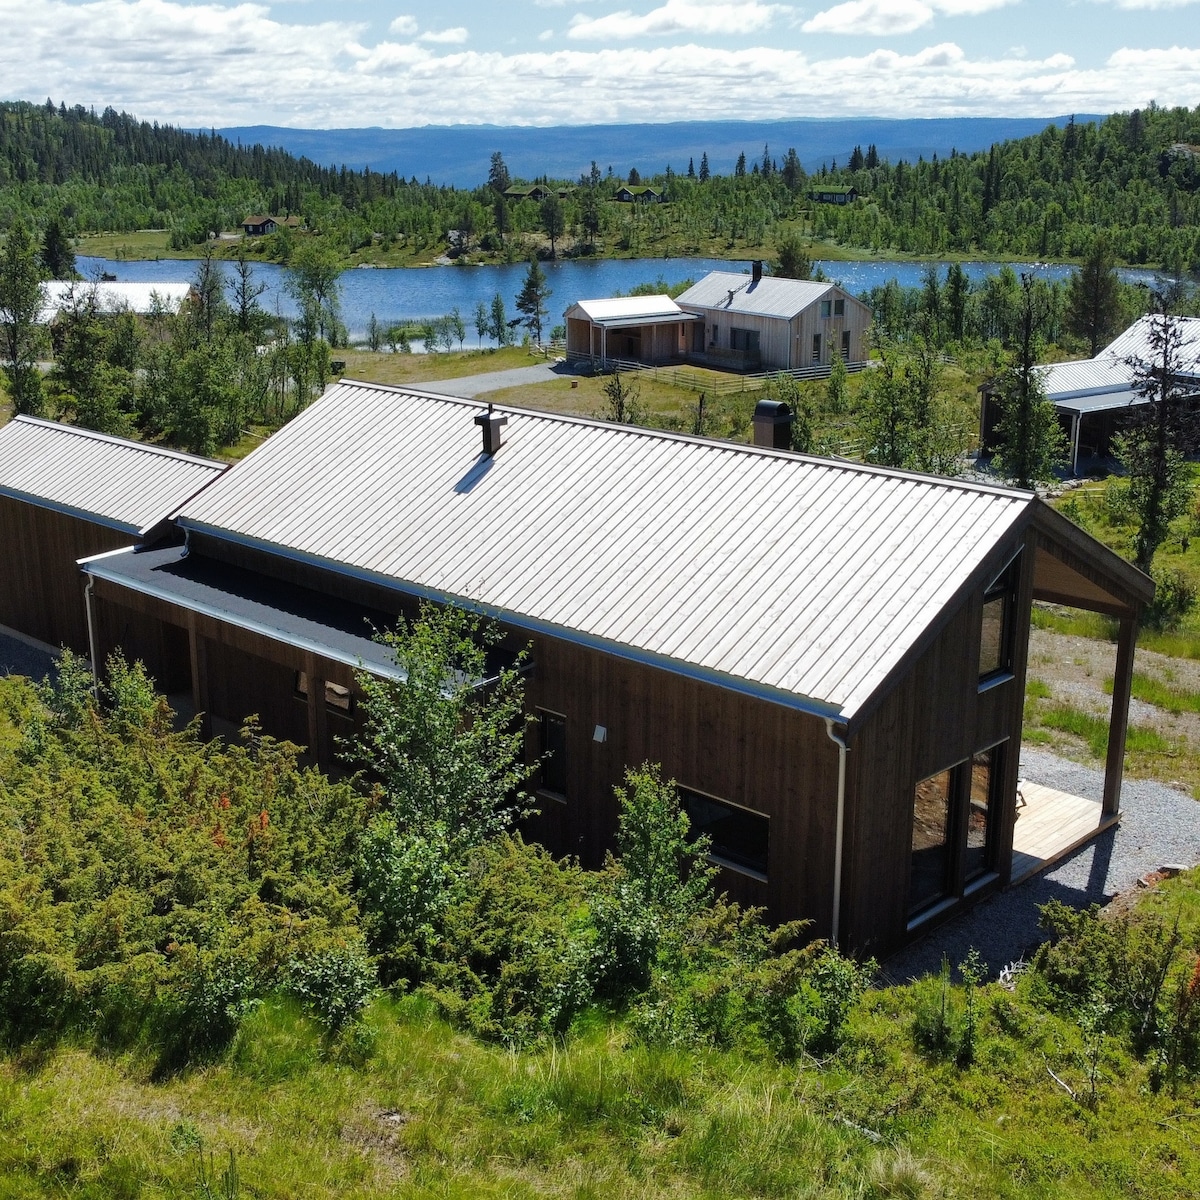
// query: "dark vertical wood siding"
[[934, 718], [41, 589]]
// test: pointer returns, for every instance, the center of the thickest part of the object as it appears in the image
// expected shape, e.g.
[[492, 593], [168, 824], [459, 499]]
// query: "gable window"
[[738, 835], [839, 308], [996, 629], [826, 309], [816, 347], [552, 753]]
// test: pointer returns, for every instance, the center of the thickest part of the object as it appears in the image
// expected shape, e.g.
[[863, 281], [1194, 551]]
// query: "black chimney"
[[490, 424], [756, 270], [773, 425]]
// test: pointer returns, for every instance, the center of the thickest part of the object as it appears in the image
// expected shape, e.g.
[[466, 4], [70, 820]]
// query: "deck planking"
[[1050, 824]]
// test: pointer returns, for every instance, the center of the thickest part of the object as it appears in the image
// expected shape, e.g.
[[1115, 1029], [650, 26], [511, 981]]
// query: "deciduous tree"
[[20, 302]]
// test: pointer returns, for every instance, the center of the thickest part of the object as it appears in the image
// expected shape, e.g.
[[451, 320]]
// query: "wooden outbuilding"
[[828, 658], [66, 493], [766, 322], [640, 329]]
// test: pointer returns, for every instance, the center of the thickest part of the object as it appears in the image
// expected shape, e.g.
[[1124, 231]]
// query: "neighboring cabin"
[[261, 224], [833, 195], [638, 193], [739, 614], [746, 322], [111, 298], [1093, 396]]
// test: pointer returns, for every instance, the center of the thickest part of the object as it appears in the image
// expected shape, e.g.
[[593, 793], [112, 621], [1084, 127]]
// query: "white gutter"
[[843, 750]]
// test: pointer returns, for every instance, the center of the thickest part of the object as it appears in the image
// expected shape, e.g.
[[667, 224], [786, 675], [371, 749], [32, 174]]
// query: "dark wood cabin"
[[68, 493], [828, 658]]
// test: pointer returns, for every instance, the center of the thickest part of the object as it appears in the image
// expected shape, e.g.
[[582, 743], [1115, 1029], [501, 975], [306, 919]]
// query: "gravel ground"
[[1158, 825], [20, 658]]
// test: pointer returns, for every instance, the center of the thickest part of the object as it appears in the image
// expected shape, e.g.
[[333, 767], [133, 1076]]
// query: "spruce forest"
[[1133, 177]]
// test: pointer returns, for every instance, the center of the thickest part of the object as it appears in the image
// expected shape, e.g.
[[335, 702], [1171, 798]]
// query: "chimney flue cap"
[[491, 424]]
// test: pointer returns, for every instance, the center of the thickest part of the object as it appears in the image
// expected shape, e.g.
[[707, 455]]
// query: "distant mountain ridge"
[[459, 154]]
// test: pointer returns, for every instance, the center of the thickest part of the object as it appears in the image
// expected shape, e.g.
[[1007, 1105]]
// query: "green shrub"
[[1174, 598], [335, 982]]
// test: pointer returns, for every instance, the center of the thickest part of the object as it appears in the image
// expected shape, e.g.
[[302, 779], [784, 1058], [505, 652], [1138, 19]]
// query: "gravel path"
[[1158, 825], [470, 386]]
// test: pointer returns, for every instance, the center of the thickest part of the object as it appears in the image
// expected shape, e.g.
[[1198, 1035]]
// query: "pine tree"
[[740, 169], [498, 176], [531, 300], [691, 169], [20, 302], [1031, 440], [1159, 435], [58, 255], [704, 172], [1094, 297]]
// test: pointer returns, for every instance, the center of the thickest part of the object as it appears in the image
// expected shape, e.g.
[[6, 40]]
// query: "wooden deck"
[[1050, 824]]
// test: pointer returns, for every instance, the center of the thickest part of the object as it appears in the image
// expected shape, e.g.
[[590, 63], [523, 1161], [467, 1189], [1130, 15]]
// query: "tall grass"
[[1094, 730], [1149, 690]]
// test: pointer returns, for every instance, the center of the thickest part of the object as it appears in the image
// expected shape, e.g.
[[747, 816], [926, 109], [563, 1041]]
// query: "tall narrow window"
[[986, 767], [996, 634], [846, 344], [553, 747], [816, 347], [929, 877], [738, 835], [839, 308]]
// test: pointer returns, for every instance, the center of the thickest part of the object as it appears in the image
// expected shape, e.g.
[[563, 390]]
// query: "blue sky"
[[317, 63]]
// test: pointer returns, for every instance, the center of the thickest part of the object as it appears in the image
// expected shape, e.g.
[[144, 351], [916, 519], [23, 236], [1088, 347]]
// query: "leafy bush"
[[1174, 598], [335, 982], [1142, 970]]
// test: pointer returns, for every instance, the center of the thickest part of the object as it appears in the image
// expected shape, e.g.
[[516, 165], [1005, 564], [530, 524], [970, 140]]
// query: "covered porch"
[[640, 329], [1049, 824]]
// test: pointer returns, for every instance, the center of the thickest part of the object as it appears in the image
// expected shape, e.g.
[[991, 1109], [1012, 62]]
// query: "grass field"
[[411, 1108]]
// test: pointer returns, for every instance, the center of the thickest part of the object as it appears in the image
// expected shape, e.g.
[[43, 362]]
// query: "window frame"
[[541, 788], [816, 347], [340, 701], [1004, 587], [714, 855], [826, 309], [839, 306]]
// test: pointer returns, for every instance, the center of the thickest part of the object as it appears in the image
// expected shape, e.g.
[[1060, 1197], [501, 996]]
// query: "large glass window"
[[738, 835], [995, 636], [981, 814], [553, 752], [929, 877]]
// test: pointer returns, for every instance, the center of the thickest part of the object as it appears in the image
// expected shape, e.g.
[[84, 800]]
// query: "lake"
[[396, 294]]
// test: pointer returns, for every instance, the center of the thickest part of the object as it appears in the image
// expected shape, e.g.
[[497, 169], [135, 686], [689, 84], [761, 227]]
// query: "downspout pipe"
[[843, 750], [88, 594]]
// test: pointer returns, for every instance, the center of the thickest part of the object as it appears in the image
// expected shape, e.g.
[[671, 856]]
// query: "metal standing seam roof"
[[1084, 377], [629, 310], [771, 296], [804, 579], [1135, 344], [123, 484], [142, 298]]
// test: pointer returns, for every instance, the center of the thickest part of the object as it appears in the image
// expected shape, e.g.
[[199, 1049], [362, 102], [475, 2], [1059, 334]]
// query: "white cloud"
[[709, 17], [446, 37], [876, 17], [545, 35], [212, 64], [403, 26], [883, 18]]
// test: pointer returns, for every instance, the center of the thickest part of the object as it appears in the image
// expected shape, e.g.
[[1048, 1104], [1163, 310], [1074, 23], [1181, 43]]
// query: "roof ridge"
[[707, 443], [112, 439]]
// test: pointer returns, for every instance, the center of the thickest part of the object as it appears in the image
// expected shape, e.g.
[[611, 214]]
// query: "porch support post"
[[1118, 723], [1076, 422]]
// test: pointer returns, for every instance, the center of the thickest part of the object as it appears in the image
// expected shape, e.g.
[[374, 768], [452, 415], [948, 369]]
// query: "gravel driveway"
[[20, 658], [1158, 825], [470, 386]]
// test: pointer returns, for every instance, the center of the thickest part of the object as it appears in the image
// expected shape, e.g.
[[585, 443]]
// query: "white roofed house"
[[828, 658], [109, 298], [1093, 396], [642, 329], [751, 322]]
